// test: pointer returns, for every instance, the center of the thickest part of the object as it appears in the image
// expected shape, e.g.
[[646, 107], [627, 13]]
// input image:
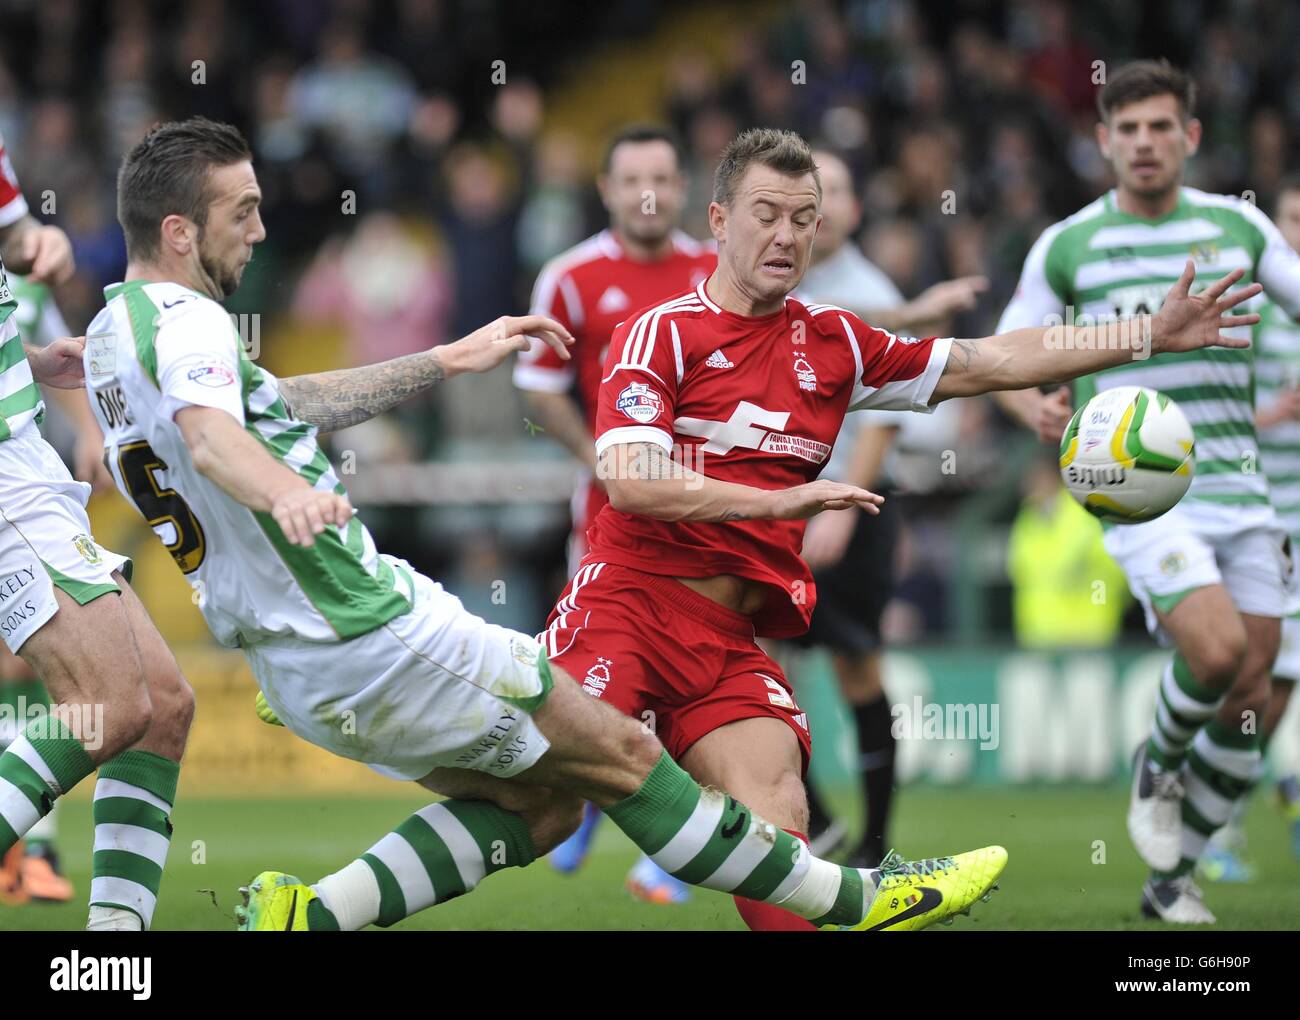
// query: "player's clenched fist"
[[47, 250], [59, 363], [490, 345], [303, 513], [804, 501]]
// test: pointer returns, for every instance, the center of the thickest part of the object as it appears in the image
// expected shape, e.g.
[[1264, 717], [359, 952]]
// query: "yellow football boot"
[[274, 901], [264, 711], [916, 894]]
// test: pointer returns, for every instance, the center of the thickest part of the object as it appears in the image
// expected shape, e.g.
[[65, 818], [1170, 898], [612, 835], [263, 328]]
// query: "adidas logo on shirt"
[[718, 360], [613, 300]]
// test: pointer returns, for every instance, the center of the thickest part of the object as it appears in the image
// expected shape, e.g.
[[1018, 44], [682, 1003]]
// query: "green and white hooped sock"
[[709, 839], [42, 764], [17, 697], [1221, 767], [20, 696], [1183, 706], [440, 852], [133, 830]]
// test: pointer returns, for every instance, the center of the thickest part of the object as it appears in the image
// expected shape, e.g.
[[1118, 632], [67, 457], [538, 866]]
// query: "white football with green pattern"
[[1128, 454]]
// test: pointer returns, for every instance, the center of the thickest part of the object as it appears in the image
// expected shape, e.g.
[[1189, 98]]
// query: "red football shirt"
[[758, 401], [12, 205], [590, 289]]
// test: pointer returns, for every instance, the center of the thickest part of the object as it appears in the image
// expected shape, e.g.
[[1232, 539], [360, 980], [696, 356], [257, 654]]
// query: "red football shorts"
[[666, 655]]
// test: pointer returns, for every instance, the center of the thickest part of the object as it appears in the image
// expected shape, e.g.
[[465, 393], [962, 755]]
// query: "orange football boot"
[[42, 880], [12, 892]]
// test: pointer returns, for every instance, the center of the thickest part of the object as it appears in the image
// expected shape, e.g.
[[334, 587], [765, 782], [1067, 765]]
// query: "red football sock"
[[762, 916]]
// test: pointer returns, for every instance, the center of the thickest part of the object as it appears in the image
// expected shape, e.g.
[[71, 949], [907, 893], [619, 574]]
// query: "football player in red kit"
[[715, 411], [641, 258]]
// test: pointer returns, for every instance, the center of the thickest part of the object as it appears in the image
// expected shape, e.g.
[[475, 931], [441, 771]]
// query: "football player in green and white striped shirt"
[[1213, 572], [357, 651], [34, 865], [1277, 389], [121, 705]]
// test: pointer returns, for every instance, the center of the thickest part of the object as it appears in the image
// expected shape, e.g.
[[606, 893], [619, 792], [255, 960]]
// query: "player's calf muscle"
[[1249, 692], [551, 816], [86, 657], [170, 695]]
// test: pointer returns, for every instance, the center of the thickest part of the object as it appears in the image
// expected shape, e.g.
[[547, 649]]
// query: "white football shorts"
[[45, 539], [1168, 558], [433, 688]]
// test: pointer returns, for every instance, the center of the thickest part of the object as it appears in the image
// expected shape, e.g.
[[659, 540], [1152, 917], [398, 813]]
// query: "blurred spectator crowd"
[[413, 184]]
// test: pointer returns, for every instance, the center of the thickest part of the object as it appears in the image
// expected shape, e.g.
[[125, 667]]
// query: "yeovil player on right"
[[1212, 573]]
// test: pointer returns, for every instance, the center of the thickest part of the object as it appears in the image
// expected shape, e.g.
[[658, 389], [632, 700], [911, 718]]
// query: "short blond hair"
[[784, 151]]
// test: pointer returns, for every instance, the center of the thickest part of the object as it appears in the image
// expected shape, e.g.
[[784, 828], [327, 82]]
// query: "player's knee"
[[791, 794], [1219, 661], [173, 700], [636, 745], [126, 721]]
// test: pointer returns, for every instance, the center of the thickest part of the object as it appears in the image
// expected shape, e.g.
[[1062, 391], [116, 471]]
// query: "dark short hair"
[[644, 133], [1142, 80], [167, 174], [783, 151]]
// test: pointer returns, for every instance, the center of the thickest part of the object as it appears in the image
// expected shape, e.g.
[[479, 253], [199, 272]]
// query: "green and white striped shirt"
[[20, 398], [159, 347], [39, 320], [1277, 366], [1106, 264]]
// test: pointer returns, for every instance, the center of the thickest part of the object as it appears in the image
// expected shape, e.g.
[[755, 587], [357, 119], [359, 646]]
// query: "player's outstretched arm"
[[642, 478], [1051, 354], [225, 453], [338, 400]]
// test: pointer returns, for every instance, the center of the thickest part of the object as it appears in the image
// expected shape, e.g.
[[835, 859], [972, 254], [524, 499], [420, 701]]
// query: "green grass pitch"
[[1051, 881]]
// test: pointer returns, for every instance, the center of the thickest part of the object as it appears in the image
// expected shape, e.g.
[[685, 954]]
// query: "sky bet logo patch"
[[640, 403], [211, 375]]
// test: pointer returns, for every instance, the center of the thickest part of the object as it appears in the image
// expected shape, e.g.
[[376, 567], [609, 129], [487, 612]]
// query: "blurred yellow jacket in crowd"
[[1067, 592]]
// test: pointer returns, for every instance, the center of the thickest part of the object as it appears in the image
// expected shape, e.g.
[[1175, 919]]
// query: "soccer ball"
[[1128, 454]]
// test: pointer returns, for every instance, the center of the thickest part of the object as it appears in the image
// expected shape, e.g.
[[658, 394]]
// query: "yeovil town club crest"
[[89, 551]]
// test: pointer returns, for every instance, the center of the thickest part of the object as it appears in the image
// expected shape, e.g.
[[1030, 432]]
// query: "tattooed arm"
[[337, 400], [642, 478], [1036, 357]]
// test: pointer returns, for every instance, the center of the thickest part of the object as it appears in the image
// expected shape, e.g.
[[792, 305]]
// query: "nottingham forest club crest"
[[598, 677], [803, 371]]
